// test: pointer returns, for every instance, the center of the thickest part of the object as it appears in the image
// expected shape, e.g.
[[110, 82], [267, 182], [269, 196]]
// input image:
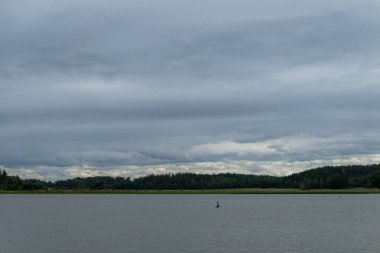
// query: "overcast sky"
[[129, 88]]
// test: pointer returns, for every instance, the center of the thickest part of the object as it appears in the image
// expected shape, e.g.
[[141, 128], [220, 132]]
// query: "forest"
[[328, 177]]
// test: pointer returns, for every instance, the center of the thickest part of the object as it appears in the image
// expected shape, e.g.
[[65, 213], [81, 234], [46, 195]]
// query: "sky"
[[137, 87]]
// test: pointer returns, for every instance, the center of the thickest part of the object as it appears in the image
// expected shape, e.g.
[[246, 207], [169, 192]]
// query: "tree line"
[[330, 177]]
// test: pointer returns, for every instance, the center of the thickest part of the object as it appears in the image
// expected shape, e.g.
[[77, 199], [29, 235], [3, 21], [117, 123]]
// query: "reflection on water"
[[189, 223]]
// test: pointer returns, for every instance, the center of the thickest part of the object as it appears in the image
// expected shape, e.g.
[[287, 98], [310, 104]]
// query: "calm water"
[[189, 223]]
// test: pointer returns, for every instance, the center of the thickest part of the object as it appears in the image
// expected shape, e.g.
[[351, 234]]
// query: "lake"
[[189, 223]]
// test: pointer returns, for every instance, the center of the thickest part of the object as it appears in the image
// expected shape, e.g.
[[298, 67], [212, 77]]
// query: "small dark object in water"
[[217, 204]]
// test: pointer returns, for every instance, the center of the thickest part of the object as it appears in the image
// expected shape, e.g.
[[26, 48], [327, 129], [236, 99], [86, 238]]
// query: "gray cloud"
[[96, 86]]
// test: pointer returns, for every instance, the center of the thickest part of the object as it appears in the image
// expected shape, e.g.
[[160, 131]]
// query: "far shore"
[[209, 191]]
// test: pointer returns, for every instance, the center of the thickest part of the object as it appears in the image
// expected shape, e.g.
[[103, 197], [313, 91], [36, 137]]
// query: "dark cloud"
[[249, 86]]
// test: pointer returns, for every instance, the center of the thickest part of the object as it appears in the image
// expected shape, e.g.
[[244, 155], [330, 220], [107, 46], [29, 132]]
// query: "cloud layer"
[[137, 87]]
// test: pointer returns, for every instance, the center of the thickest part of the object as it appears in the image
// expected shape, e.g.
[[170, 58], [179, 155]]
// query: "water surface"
[[189, 223]]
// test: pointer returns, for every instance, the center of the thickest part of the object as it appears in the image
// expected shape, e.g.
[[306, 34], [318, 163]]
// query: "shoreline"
[[209, 191]]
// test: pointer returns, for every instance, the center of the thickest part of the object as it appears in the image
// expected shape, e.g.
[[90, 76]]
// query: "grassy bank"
[[213, 191]]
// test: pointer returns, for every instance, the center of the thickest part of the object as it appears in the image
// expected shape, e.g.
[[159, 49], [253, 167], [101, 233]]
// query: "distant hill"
[[333, 177]]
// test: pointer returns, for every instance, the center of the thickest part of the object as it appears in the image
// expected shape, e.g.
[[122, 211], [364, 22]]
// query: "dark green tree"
[[338, 182], [374, 179]]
